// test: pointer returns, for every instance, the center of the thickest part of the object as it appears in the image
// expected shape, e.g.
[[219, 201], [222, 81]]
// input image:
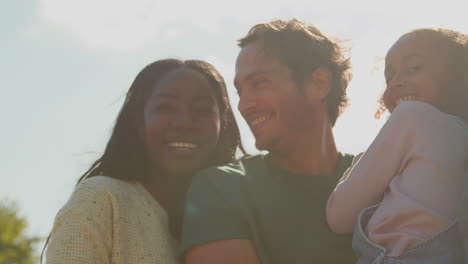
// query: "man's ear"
[[318, 84]]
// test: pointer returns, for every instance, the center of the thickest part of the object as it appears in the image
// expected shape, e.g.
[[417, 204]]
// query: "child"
[[403, 196]]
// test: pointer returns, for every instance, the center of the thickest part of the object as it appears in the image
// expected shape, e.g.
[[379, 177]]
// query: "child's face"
[[416, 68]]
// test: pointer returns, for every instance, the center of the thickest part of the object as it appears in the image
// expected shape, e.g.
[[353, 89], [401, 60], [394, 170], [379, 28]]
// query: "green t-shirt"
[[281, 212]]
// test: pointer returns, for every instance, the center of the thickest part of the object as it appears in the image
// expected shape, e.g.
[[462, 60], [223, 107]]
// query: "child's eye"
[[388, 79]]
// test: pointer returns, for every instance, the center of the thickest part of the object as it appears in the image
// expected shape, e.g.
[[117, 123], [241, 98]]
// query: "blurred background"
[[65, 66]]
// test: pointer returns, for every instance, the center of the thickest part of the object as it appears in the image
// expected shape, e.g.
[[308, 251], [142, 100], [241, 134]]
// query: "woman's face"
[[181, 123]]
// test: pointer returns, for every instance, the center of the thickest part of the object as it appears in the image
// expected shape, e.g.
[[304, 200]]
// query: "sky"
[[65, 66]]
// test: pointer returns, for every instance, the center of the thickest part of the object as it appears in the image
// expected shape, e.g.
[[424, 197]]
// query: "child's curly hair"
[[381, 107], [456, 44]]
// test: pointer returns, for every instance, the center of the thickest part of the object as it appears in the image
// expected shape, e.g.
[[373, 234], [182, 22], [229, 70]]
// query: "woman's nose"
[[183, 119]]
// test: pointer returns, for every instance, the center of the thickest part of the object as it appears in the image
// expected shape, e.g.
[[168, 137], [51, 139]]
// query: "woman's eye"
[[204, 110], [163, 107]]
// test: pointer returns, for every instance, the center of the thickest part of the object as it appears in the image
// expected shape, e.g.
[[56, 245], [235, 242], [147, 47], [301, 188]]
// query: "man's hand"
[[232, 251]]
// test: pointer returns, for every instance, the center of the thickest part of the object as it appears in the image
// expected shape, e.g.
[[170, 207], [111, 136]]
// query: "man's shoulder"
[[347, 158], [240, 172], [230, 185], [238, 169], [345, 162]]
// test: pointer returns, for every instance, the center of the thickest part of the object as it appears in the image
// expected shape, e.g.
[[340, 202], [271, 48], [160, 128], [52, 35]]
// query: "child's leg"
[[444, 248], [367, 251]]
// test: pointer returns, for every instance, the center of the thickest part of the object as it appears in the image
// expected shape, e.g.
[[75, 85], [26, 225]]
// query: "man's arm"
[[216, 228], [232, 251]]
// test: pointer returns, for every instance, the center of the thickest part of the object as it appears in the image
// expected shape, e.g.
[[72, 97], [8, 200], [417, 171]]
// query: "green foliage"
[[15, 246]]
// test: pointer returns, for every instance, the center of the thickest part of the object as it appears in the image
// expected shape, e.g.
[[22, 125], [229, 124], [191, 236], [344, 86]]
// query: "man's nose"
[[246, 103]]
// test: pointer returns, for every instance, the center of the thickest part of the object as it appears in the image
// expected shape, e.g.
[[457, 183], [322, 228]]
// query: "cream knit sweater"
[[111, 221]]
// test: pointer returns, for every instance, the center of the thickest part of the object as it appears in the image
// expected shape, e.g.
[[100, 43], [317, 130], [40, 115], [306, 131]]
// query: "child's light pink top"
[[417, 162]]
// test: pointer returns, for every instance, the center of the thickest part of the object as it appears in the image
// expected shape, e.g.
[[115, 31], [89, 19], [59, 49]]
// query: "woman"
[[127, 208]]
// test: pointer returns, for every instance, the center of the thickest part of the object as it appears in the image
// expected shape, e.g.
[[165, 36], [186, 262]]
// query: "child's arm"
[[367, 180]]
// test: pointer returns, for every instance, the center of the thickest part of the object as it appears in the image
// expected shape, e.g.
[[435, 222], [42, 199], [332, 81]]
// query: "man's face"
[[270, 101]]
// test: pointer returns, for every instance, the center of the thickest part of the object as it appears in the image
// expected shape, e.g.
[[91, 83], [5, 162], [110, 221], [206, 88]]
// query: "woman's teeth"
[[182, 145]]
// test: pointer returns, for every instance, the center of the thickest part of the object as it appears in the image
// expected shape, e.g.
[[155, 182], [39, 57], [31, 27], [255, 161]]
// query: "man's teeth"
[[258, 120], [182, 145], [405, 98]]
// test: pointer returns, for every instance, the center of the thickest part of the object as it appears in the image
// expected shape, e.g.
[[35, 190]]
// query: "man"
[[292, 82]]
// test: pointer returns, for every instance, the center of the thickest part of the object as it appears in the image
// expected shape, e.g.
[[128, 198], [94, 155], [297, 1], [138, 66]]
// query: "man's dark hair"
[[303, 48]]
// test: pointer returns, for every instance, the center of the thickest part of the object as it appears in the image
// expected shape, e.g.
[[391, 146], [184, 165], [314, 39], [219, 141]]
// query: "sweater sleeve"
[[464, 219], [83, 228], [366, 182]]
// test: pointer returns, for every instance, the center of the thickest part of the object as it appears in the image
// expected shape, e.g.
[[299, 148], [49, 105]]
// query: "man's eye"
[[413, 69], [259, 82]]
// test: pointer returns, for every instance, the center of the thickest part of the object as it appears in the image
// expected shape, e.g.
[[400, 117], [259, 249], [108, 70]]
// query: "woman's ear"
[[318, 84]]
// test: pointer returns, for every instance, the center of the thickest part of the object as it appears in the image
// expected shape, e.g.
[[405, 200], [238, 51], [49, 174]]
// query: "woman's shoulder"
[[114, 192], [231, 176], [103, 184], [89, 200], [97, 191]]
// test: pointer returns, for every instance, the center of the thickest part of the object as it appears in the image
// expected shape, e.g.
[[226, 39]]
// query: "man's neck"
[[313, 153]]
